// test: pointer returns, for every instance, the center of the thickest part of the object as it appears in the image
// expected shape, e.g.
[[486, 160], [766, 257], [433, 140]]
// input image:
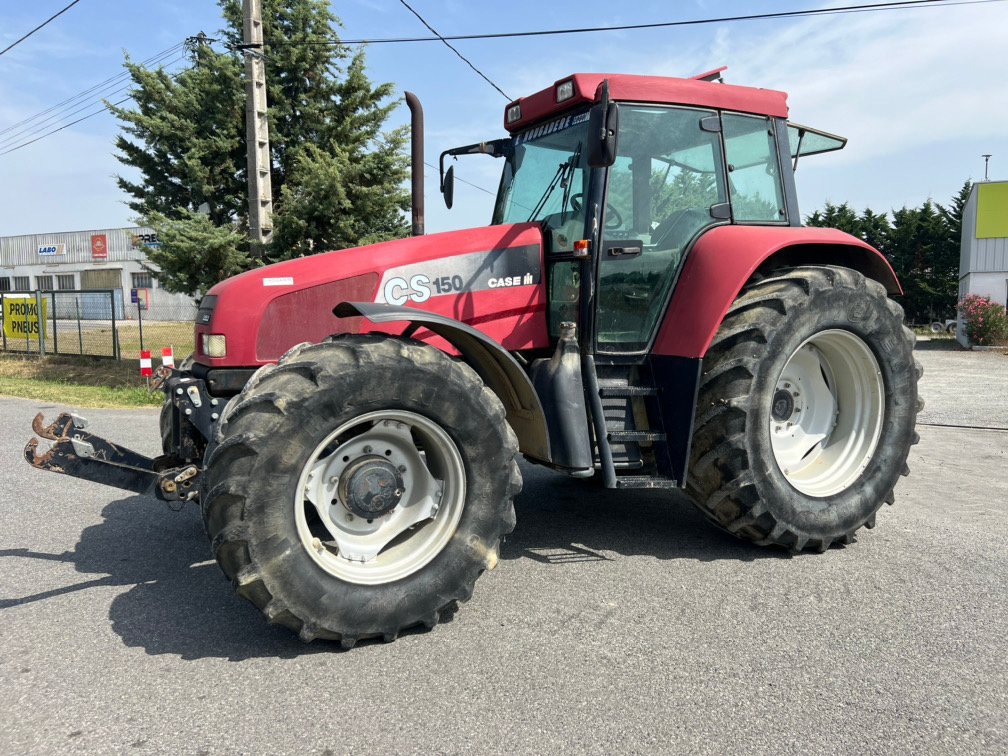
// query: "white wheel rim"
[[395, 544], [826, 413]]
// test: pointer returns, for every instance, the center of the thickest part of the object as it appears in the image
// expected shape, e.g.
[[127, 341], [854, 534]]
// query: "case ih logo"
[[99, 247], [475, 271]]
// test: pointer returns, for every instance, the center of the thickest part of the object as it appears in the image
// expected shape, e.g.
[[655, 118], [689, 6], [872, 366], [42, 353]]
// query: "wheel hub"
[[783, 405], [370, 487]]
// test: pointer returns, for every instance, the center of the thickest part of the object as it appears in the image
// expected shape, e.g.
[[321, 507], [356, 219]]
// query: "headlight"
[[214, 345]]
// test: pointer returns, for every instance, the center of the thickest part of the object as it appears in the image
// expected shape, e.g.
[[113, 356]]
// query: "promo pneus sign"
[[461, 274], [20, 317]]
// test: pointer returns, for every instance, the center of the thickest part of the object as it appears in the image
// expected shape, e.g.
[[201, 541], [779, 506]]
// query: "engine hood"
[[491, 278]]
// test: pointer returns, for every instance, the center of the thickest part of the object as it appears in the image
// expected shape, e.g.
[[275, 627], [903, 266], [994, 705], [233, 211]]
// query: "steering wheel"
[[613, 218]]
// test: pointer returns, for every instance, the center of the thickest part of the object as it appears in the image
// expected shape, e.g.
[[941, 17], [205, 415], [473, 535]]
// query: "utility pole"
[[260, 187]]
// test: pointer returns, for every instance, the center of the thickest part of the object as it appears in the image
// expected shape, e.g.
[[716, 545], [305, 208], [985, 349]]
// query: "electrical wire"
[[864, 8], [462, 180], [65, 108], [53, 17], [455, 50], [65, 126], [34, 136]]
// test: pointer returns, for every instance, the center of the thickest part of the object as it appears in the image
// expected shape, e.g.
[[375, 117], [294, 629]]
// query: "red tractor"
[[645, 310]]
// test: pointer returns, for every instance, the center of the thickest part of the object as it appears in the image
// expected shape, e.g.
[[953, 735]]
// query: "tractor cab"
[[680, 156]]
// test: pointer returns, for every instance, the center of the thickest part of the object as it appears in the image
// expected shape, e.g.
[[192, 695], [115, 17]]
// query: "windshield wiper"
[[566, 182], [560, 175]]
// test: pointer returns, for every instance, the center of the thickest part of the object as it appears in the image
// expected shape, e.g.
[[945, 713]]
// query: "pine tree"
[[337, 176]]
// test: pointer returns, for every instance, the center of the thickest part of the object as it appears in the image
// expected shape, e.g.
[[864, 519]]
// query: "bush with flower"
[[986, 322]]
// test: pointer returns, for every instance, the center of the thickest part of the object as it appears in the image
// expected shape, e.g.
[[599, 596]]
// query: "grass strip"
[[79, 382]]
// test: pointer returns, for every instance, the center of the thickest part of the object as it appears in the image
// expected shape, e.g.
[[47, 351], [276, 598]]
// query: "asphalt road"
[[613, 623]]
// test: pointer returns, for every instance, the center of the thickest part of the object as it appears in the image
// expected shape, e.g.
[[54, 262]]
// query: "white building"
[[110, 258], [983, 260]]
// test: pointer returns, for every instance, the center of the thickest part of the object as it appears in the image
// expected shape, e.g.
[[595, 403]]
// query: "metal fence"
[[92, 323]]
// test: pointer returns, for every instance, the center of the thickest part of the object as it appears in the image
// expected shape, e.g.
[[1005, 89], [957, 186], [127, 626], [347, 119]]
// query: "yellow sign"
[[992, 211], [20, 317]]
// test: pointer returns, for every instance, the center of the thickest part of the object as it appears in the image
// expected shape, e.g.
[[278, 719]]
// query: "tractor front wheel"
[[360, 487], [806, 409]]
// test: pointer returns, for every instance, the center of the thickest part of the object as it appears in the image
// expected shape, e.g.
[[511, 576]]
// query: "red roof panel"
[[656, 89]]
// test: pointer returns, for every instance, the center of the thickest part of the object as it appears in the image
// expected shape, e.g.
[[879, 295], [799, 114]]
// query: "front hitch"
[[83, 455]]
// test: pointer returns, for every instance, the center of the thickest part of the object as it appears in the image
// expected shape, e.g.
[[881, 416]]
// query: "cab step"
[[644, 481], [615, 391], [620, 436]]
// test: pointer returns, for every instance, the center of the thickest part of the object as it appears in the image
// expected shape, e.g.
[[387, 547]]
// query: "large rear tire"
[[361, 487], [806, 409]]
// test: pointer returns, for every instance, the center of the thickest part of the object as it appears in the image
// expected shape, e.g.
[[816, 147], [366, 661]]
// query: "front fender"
[[494, 364], [725, 258]]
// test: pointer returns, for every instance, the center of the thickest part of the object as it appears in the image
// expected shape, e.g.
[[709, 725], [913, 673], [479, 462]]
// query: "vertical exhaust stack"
[[416, 161]]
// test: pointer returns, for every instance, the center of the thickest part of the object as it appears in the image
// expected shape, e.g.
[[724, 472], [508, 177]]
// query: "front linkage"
[[170, 477]]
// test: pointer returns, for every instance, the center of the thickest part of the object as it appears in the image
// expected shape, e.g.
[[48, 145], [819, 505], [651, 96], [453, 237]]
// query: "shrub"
[[986, 322]]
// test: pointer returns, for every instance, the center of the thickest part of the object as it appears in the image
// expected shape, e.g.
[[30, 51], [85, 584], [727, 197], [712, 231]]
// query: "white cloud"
[[890, 81]]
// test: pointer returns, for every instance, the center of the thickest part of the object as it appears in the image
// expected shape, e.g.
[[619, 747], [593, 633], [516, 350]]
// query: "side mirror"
[[448, 186], [603, 128]]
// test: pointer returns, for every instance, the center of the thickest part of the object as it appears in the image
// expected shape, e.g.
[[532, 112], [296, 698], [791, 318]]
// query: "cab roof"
[[656, 89]]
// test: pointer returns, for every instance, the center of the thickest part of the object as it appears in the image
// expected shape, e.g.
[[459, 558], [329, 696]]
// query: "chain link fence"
[[92, 323]]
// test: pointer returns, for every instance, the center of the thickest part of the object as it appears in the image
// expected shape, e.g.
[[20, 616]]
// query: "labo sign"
[[20, 317]]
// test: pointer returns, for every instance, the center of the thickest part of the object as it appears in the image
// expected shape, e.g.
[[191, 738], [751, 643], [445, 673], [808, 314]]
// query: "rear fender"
[[494, 364], [725, 258]]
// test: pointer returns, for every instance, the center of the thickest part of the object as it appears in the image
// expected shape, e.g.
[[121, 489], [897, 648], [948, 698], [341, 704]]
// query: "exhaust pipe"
[[416, 161]]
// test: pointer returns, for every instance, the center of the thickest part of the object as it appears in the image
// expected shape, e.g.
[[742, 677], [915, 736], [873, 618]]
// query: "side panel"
[[724, 259], [490, 278]]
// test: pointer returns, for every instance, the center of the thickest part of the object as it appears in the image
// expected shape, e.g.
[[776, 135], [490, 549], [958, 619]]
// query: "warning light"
[[582, 245]]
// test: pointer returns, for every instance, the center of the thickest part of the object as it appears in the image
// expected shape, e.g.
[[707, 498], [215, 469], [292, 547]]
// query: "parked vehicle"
[[645, 309]]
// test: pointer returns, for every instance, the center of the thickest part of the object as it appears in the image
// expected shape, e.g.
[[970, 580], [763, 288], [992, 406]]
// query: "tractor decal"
[[475, 271]]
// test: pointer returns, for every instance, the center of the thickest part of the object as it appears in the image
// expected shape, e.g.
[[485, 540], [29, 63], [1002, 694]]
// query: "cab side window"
[[754, 176]]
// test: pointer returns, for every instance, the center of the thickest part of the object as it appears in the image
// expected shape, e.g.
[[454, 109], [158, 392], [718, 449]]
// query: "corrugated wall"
[[23, 250], [990, 256], [980, 255]]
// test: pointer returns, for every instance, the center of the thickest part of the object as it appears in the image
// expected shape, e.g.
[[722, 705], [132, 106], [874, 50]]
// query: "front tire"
[[806, 409], [361, 487]]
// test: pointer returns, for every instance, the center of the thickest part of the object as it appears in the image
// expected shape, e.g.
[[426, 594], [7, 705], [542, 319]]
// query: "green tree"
[[922, 245], [337, 175], [836, 216]]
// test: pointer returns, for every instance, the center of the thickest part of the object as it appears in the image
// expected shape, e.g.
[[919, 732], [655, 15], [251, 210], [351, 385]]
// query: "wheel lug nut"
[[402, 468], [349, 517], [366, 450]]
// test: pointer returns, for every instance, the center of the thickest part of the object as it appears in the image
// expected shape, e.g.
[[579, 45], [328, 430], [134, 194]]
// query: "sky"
[[921, 94]]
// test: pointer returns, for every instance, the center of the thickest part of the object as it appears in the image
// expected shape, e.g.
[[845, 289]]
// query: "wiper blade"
[[566, 183], [560, 172]]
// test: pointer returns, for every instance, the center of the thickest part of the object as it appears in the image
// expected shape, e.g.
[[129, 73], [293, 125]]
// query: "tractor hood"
[[490, 278]]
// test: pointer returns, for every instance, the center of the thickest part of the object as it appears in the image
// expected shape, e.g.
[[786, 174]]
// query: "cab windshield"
[[546, 178]]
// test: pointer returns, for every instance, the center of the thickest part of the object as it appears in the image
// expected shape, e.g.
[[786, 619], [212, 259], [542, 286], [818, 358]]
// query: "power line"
[[96, 92], [7, 144], [868, 7], [65, 126], [454, 50], [51, 18], [462, 180]]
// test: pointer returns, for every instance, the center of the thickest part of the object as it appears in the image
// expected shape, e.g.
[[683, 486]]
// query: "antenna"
[[986, 162]]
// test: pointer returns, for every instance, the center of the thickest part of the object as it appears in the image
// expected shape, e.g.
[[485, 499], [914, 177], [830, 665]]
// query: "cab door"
[[666, 185]]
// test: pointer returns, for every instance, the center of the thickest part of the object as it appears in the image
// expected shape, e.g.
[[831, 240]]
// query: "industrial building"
[[983, 261], [111, 258]]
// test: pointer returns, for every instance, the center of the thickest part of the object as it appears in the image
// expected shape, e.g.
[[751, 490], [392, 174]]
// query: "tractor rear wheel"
[[361, 487], [806, 409]]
